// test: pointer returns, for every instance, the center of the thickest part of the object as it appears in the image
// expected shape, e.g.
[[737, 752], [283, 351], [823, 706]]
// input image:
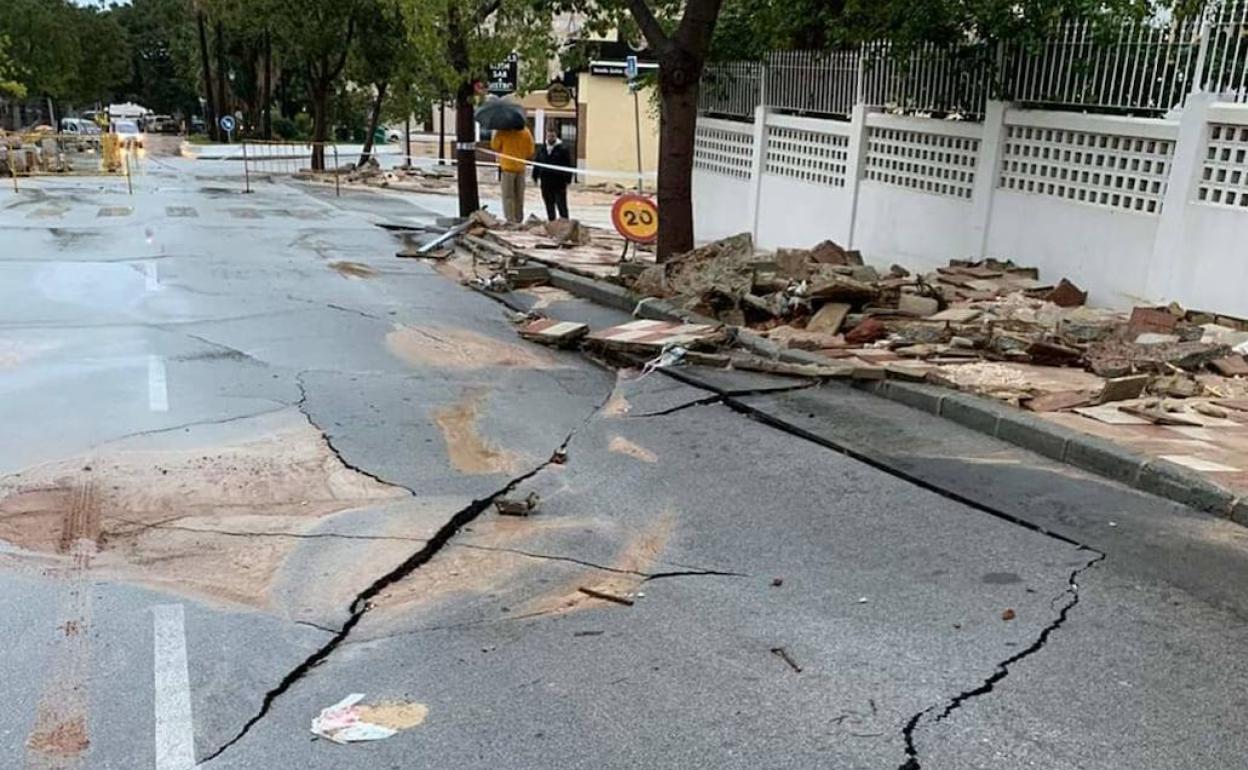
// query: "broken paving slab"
[[647, 336], [549, 331]]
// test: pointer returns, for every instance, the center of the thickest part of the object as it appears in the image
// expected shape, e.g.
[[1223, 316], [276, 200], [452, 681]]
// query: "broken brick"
[[869, 330], [1231, 366], [1147, 319], [1066, 294]]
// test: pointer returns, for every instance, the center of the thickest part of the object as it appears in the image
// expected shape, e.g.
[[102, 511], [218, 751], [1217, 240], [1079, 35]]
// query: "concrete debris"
[[507, 506], [558, 334], [1123, 388], [654, 336], [348, 722], [828, 319]]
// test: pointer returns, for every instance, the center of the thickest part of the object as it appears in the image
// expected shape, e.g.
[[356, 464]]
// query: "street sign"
[[630, 67], [636, 217], [504, 76], [227, 123]]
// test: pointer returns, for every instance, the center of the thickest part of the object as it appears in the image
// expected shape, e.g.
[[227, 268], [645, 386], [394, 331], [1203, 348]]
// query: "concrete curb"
[[1158, 477]]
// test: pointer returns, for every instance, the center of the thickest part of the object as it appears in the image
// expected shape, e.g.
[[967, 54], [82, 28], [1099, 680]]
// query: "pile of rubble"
[[991, 327], [434, 179]]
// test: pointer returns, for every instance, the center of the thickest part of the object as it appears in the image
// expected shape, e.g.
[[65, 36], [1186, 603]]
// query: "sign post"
[[630, 72], [227, 125], [635, 217]]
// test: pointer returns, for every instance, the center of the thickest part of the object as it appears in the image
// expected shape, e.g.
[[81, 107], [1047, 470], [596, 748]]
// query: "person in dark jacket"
[[554, 183]]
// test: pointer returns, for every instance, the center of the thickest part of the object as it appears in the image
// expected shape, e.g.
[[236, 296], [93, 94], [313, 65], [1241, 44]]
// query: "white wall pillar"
[[1182, 180], [539, 125], [987, 169], [855, 164], [756, 168]]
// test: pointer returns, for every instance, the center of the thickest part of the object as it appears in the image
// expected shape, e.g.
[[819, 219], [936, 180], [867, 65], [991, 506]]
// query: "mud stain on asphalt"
[[352, 269], [483, 561], [621, 445], [547, 296], [17, 352], [617, 405], [141, 505], [638, 555], [54, 741], [468, 451], [397, 715], [451, 348]]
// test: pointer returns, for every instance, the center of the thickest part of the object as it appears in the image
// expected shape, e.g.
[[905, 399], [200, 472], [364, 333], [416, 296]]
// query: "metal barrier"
[[271, 158]]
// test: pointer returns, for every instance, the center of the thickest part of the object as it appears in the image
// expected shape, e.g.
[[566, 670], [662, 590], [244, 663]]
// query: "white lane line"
[[175, 736], [151, 282], [157, 388]]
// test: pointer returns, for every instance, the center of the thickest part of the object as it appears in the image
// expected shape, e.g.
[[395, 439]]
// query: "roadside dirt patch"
[[617, 405], [140, 505], [352, 269], [621, 445], [468, 451], [453, 348], [17, 352]]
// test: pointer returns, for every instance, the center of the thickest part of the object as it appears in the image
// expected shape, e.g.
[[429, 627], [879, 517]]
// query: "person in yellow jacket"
[[518, 146]]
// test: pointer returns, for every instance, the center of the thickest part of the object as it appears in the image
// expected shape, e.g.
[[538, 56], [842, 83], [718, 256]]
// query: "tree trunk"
[[373, 120], [320, 124], [210, 102], [221, 104], [267, 92], [466, 151], [678, 93]]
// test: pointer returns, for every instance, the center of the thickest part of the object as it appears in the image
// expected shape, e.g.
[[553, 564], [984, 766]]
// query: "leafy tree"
[[10, 86], [162, 43], [316, 36], [378, 58], [457, 41]]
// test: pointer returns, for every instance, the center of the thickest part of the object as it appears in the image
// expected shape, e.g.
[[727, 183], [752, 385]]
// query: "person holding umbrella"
[[554, 182], [513, 142]]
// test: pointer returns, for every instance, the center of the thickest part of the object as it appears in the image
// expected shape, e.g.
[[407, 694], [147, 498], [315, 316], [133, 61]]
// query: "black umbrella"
[[500, 115]]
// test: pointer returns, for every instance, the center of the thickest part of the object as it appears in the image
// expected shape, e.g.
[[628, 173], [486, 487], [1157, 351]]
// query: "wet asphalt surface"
[[245, 414]]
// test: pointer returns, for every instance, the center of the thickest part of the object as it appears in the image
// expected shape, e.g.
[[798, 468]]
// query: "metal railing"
[[814, 82], [731, 89], [1225, 70], [928, 78], [1147, 66], [273, 158], [1134, 66]]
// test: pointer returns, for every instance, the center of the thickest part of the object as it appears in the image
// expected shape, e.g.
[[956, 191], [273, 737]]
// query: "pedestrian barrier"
[[269, 158]]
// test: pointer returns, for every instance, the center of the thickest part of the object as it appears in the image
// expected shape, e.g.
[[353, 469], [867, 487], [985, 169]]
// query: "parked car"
[[129, 132], [161, 124]]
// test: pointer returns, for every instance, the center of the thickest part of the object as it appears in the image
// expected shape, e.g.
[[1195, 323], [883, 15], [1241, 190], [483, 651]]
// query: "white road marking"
[[175, 733], [151, 281], [157, 388]]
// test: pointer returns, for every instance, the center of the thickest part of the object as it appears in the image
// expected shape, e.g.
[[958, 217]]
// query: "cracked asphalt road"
[[244, 408]]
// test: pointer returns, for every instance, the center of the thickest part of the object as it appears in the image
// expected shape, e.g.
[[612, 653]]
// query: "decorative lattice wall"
[[931, 163], [724, 151], [1118, 172], [1224, 172], [810, 156]]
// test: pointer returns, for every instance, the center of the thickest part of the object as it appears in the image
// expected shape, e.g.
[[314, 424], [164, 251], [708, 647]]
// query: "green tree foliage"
[[10, 85]]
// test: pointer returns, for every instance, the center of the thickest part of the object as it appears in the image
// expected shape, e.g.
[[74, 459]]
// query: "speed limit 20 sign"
[[636, 218]]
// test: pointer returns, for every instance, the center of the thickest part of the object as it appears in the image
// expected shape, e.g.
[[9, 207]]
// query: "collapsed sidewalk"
[[1166, 386]]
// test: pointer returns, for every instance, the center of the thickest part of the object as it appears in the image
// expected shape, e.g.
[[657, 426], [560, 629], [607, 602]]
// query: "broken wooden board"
[[549, 331], [1057, 402]]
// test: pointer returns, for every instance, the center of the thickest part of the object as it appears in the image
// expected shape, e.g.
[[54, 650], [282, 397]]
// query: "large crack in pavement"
[[1000, 671], [362, 603]]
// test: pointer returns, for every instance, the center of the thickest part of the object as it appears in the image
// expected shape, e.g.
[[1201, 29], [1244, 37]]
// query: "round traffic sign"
[[636, 217], [227, 123]]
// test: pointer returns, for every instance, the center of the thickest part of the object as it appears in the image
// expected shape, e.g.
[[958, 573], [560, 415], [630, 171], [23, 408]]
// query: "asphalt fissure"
[[729, 399], [362, 602], [1000, 672]]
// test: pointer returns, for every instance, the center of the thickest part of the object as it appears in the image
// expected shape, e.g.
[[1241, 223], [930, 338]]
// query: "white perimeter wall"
[[1134, 210]]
